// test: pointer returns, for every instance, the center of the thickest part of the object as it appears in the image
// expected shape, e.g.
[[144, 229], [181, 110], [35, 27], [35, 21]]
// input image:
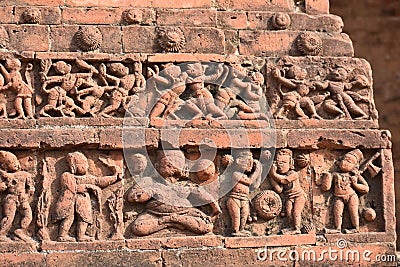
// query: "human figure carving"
[[67, 84], [74, 202], [18, 186], [174, 80], [347, 183], [246, 174], [126, 86], [341, 95], [24, 90], [285, 179], [201, 103], [297, 99]]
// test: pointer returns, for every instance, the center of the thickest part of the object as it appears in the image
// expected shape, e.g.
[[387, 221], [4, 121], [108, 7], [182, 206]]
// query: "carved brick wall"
[[187, 132], [372, 26]]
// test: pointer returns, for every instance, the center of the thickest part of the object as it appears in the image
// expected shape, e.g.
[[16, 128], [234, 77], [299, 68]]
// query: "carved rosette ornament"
[[170, 39], [89, 38], [309, 44], [267, 204], [31, 15], [280, 21]]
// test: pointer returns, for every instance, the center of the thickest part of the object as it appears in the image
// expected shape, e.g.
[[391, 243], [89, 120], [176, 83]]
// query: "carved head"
[[138, 195], [205, 169], [171, 163], [137, 67], [138, 163], [172, 71], [284, 160], [170, 39], [243, 160], [195, 69], [257, 78], [351, 160], [31, 15], [13, 64], [61, 67], [78, 163], [296, 72], [338, 74], [9, 162], [118, 69]]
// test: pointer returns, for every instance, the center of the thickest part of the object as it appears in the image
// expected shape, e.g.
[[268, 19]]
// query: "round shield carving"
[[268, 204]]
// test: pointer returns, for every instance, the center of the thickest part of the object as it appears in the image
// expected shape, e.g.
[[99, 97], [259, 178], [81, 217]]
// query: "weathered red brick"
[[114, 258], [272, 5], [62, 38], [88, 246], [231, 19], [23, 259], [278, 43], [270, 241], [33, 2], [112, 39], [187, 17], [298, 22], [231, 42], [91, 15], [29, 37], [129, 3], [138, 39], [148, 16], [6, 14], [204, 40], [317, 6], [338, 139], [49, 15]]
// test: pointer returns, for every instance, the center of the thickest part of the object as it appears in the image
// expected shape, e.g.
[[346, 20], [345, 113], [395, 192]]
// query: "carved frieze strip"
[[112, 138]]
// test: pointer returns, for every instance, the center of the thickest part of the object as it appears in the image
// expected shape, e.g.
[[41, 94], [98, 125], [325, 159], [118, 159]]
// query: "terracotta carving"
[[170, 39], [74, 202], [174, 80], [280, 21], [18, 187], [297, 99], [341, 101], [309, 44], [347, 183], [89, 38], [14, 81], [246, 175], [285, 179]]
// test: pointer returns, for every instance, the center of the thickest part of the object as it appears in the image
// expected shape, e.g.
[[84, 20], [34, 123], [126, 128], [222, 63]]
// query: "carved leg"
[[338, 207], [9, 209], [233, 206], [81, 232], [245, 213], [194, 224], [18, 107], [147, 224], [352, 206], [65, 225], [28, 107], [298, 207], [26, 213]]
